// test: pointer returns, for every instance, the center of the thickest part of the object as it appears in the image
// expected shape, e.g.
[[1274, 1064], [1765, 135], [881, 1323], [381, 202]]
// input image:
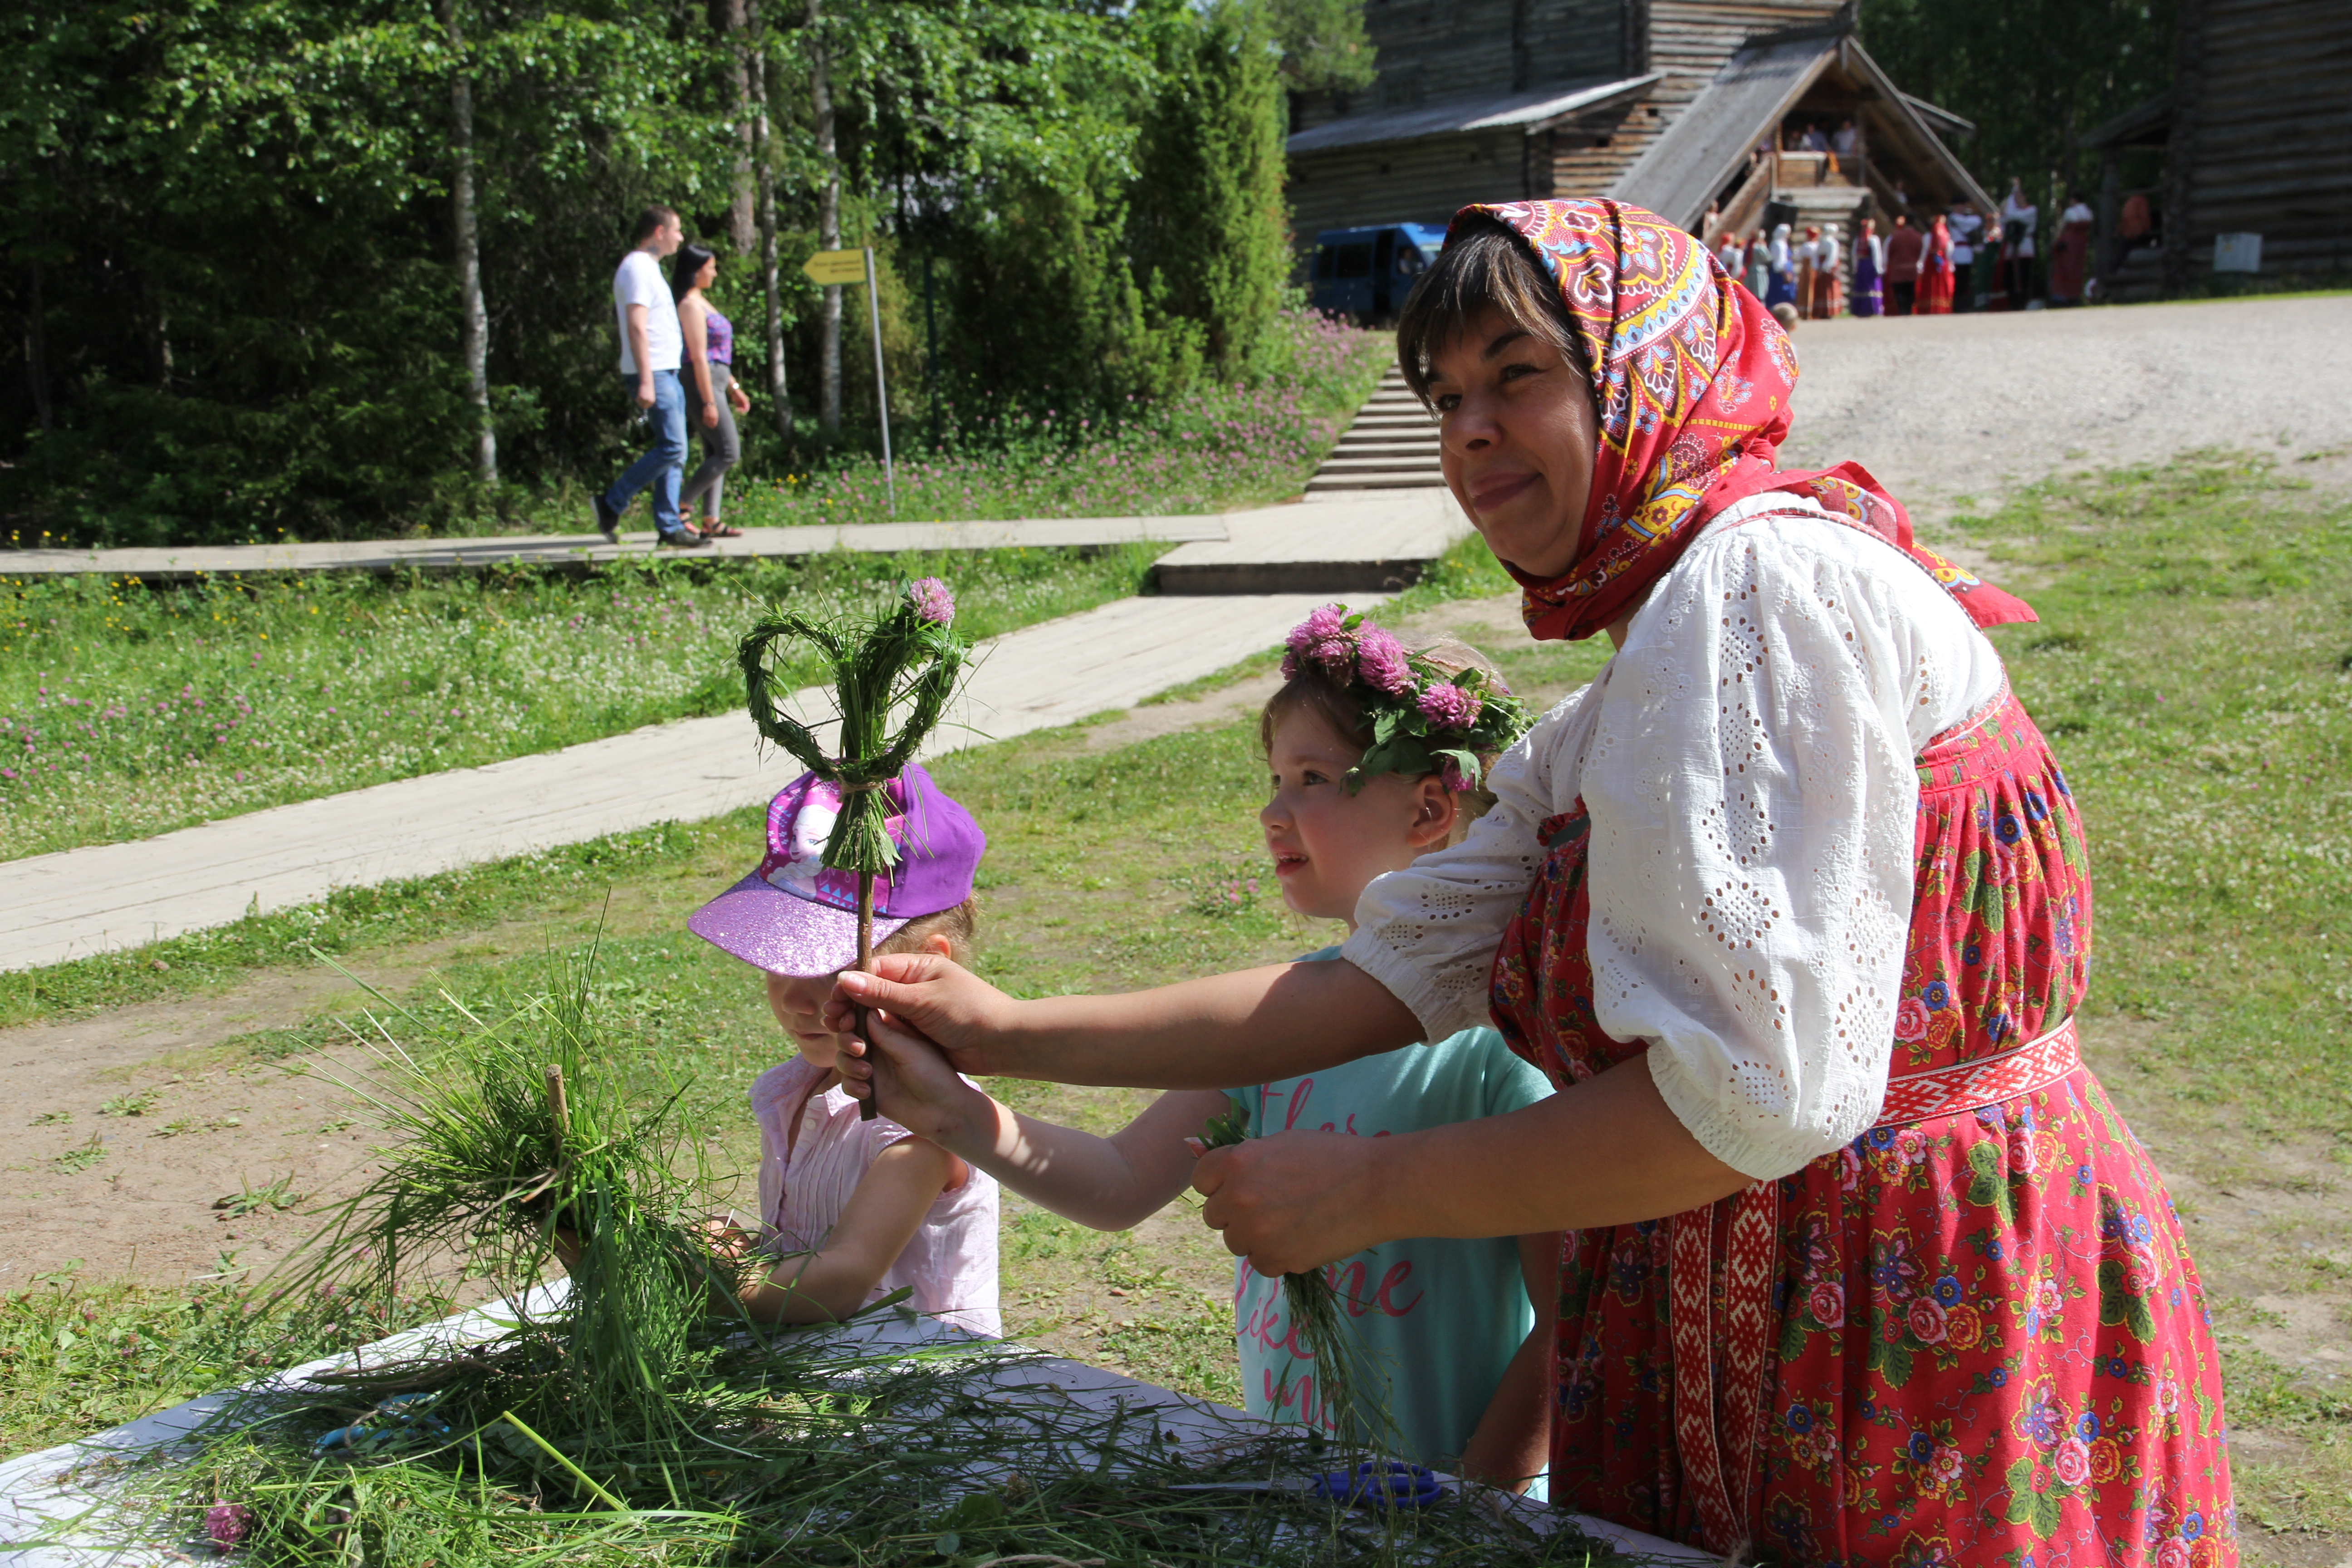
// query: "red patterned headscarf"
[[1692, 379]]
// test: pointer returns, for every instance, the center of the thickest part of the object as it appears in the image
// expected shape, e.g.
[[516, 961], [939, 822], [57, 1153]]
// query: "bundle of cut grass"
[[513, 1140], [1319, 1323]]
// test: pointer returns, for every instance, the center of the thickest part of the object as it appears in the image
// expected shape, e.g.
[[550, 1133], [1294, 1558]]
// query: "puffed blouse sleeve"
[[1747, 765], [1752, 797], [1429, 932]]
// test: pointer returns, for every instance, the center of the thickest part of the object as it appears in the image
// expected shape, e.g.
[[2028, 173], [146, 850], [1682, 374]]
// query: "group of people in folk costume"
[[1926, 269], [1791, 905]]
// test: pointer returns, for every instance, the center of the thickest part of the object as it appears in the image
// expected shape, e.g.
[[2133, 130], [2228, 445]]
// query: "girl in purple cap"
[[856, 1210], [1443, 1331]]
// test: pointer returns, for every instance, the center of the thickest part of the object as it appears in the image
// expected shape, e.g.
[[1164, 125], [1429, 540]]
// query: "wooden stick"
[[867, 1109], [559, 1107]]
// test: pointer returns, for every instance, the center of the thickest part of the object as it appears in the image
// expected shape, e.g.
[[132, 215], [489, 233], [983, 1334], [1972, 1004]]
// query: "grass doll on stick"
[[908, 656]]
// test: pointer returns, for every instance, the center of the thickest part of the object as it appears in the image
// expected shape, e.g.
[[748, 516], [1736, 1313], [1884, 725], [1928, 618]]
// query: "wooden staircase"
[[1391, 446]]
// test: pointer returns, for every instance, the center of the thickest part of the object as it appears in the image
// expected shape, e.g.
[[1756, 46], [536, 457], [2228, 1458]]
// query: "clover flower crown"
[[1425, 718]]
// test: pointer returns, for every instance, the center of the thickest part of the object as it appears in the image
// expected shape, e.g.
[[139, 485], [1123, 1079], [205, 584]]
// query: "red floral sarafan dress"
[[1974, 1335]]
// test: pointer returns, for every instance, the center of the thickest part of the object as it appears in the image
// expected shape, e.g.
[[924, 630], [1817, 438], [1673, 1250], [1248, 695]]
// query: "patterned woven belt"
[[1733, 1341], [1988, 1080]]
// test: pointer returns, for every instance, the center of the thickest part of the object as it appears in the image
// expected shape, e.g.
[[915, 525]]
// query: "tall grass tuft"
[[511, 1138]]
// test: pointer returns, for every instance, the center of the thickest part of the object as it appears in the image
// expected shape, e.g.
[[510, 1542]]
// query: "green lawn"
[[2193, 666], [2193, 669], [127, 711]]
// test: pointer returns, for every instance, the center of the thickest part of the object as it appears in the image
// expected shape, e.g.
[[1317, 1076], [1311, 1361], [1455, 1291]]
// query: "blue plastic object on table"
[[1382, 1484], [404, 1419]]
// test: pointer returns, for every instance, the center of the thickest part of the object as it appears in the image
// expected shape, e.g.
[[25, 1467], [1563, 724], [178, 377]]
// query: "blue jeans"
[[663, 461]]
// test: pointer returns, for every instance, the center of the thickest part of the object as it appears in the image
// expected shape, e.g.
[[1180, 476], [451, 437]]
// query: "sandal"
[[714, 529]]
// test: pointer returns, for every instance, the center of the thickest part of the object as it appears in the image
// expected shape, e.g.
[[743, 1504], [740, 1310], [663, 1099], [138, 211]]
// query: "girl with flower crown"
[[1792, 904], [1375, 752]]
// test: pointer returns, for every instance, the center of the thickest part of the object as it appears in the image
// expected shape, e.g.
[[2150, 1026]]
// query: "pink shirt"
[[804, 1183]]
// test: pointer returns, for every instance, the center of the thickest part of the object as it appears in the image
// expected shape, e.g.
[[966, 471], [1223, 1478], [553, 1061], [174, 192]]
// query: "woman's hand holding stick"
[[1246, 1028]]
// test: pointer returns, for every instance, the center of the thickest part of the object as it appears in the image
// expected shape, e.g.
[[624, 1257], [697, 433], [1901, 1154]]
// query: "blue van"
[[1366, 273]]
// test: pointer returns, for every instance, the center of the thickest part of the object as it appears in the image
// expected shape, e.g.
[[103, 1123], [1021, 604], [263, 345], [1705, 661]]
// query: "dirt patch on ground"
[[2266, 1221], [120, 1130], [2265, 1218], [130, 1195]]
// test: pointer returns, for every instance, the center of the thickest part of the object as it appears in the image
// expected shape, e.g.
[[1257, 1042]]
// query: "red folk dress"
[[1974, 1335]]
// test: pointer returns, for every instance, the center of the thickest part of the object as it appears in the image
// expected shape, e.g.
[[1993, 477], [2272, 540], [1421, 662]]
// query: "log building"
[[1677, 105], [2256, 134]]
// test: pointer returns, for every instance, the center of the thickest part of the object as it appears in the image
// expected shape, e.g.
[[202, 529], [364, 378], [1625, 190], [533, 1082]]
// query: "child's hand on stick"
[[919, 1088], [961, 1014]]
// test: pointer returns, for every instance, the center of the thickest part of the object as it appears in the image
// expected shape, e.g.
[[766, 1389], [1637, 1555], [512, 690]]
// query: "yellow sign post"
[[834, 269]]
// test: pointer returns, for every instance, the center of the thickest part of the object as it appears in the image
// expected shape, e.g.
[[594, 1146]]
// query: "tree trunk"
[[476, 316], [37, 370], [159, 336], [765, 172], [828, 228], [740, 222]]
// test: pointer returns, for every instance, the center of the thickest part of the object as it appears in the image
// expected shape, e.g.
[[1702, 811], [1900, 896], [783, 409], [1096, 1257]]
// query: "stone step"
[[1322, 484], [1359, 462]]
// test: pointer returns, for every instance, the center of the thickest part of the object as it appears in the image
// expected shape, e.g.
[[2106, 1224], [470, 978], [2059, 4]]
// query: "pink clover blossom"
[[932, 601], [227, 1523], [1381, 662], [1448, 707]]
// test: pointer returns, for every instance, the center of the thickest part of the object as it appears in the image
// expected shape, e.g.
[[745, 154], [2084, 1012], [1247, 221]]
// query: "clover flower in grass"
[[932, 601], [1448, 707], [227, 1523]]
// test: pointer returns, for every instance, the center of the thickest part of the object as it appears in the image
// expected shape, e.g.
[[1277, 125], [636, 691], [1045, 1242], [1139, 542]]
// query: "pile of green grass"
[[640, 1416]]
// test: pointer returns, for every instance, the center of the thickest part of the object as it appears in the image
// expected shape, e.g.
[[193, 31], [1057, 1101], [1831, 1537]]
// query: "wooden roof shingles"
[[1528, 110]]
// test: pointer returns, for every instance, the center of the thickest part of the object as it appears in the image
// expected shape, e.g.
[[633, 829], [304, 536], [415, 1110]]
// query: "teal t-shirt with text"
[[1437, 1320]]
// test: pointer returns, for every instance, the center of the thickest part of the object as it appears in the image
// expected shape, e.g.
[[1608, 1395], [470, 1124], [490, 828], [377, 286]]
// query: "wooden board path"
[[388, 556]]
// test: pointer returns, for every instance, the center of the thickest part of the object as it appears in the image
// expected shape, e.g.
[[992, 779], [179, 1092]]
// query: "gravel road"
[[1940, 407]]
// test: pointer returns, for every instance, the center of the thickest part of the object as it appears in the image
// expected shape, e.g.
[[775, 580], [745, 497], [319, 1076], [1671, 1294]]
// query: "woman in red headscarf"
[[1793, 903], [1935, 272]]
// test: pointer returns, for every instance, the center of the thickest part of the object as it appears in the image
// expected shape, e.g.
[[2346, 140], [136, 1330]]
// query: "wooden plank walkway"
[[81, 901], [182, 563], [1334, 541]]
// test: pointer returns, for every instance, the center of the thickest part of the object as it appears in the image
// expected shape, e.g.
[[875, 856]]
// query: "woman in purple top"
[[712, 397]]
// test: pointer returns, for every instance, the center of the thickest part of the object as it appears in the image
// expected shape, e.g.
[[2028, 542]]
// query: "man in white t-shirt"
[[651, 350]]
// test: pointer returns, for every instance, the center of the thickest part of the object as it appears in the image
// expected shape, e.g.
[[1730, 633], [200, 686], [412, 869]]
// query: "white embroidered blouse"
[[1746, 761]]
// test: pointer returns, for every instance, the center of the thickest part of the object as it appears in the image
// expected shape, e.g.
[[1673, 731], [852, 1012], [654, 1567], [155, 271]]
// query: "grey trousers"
[[721, 448]]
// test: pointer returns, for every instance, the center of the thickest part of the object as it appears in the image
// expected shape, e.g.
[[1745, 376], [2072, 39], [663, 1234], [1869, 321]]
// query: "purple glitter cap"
[[795, 915]]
